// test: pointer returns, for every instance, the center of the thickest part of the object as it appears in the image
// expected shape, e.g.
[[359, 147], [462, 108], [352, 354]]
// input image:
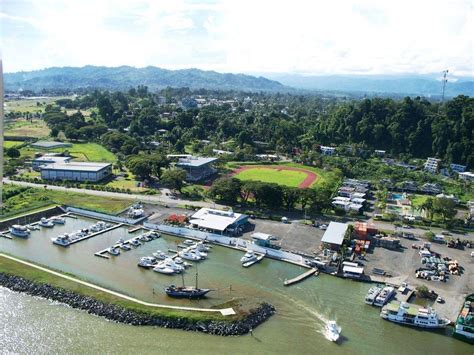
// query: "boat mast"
[[182, 278], [196, 276]]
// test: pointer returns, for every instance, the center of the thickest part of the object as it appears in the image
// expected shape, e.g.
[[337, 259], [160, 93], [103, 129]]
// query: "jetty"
[[301, 277]]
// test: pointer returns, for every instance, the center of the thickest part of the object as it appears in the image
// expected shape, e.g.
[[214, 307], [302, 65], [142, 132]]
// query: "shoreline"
[[124, 315]]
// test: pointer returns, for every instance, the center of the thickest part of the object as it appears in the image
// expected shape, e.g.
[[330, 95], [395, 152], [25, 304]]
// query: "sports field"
[[278, 174]]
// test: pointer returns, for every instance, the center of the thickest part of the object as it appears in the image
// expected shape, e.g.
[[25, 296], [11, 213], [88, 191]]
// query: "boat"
[[33, 227], [113, 251], [62, 240], [200, 254], [19, 231], [153, 235], [178, 260], [440, 299], [251, 262], [384, 296], [191, 292], [168, 262], [163, 269], [46, 223], [125, 247], [464, 326], [160, 255], [147, 262], [413, 315], [249, 256], [332, 331], [200, 247], [58, 220], [188, 242], [372, 294], [188, 255], [135, 242], [144, 238]]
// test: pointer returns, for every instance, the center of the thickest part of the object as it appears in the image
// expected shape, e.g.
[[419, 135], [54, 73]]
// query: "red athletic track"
[[310, 176]]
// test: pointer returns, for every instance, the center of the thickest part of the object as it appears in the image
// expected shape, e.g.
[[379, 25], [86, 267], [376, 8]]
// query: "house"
[[432, 165], [197, 168], [325, 150], [46, 159], [263, 239], [379, 153], [431, 189], [466, 176], [458, 168], [77, 171], [218, 221], [335, 234]]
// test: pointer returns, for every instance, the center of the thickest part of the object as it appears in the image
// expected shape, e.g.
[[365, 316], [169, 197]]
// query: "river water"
[[29, 324]]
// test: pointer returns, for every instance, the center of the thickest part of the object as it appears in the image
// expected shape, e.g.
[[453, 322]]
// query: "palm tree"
[[428, 207]]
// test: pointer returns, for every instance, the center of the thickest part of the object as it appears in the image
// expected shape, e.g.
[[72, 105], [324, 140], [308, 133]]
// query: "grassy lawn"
[[281, 177], [11, 144], [79, 152], [126, 184], [20, 127], [32, 105], [15, 268], [418, 200]]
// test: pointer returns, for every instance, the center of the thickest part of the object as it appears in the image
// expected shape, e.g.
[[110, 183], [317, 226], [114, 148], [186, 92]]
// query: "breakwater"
[[119, 314]]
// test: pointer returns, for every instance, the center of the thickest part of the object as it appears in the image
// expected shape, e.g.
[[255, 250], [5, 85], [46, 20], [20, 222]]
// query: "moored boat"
[[372, 294], [188, 255], [147, 262], [249, 256], [58, 220], [62, 240], [384, 296], [113, 251], [191, 292], [163, 269], [19, 231], [464, 327], [413, 315], [46, 223]]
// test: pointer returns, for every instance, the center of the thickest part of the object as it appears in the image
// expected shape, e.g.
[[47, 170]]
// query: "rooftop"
[[215, 219], [77, 166], [195, 161], [262, 236], [335, 233], [51, 158], [50, 145]]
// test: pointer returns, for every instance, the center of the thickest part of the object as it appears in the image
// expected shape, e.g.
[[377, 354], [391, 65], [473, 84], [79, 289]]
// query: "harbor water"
[[31, 324]]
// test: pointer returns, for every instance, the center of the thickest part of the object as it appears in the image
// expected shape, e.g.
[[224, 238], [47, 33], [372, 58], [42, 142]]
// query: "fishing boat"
[[372, 294], [249, 256], [46, 223], [113, 251], [191, 292], [413, 315], [58, 220], [19, 231], [147, 262], [332, 331], [384, 296]]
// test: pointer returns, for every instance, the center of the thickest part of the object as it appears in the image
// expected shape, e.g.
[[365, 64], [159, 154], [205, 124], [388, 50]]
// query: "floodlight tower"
[[444, 81]]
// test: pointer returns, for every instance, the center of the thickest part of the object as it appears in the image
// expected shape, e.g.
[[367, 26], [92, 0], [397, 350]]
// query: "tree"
[[72, 133], [226, 189], [306, 196], [157, 162], [290, 196], [13, 153], [140, 166], [174, 177], [427, 207], [445, 207]]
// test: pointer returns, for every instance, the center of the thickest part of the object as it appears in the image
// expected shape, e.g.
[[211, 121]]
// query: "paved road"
[[157, 199]]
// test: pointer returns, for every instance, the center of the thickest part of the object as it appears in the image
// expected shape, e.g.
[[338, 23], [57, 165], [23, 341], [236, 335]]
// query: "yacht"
[[58, 220], [413, 315], [384, 296], [152, 235], [200, 247], [19, 231], [171, 264], [144, 238], [200, 254], [249, 256], [191, 292], [147, 262], [372, 294], [113, 251], [188, 242], [160, 255], [46, 223], [332, 331], [179, 261], [135, 242], [188, 255], [163, 269], [62, 240]]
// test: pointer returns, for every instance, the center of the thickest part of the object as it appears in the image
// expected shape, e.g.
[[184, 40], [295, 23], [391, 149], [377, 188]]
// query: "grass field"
[[80, 152], [11, 144], [35, 128], [32, 105], [270, 175]]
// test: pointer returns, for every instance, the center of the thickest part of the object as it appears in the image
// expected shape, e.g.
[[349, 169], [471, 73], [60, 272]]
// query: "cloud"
[[340, 36]]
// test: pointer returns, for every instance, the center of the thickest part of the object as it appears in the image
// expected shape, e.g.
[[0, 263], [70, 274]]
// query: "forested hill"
[[125, 77]]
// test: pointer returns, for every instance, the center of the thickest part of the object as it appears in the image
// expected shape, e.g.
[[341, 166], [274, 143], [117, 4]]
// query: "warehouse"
[[39, 162], [77, 171]]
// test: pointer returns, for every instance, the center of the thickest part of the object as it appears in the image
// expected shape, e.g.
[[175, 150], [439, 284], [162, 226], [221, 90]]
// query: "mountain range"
[[125, 77]]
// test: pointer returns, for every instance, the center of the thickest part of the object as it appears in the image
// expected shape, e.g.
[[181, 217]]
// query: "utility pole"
[[444, 80], [2, 95]]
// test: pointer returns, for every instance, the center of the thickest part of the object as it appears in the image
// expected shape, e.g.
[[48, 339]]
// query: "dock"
[[103, 253], [134, 229], [92, 235], [301, 277]]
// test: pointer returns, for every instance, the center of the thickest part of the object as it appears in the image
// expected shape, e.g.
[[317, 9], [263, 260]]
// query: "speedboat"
[[160, 255], [332, 331], [144, 238], [58, 220], [163, 269], [147, 262], [62, 240], [19, 231], [200, 247], [125, 247], [188, 242], [154, 235], [171, 264], [113, 251], [46, 223], [249, 256], [135, 242], [200, 254], [187, 255]]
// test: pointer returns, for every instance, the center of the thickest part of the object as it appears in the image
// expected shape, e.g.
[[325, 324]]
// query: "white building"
[[458, 168], [325, 150], [37, 163], [432, 165], [466, 176], [335, 233], [77, 171], [217, 220]]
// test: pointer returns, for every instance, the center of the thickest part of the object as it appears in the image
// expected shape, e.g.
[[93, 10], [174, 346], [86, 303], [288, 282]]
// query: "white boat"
[[188, 242], [19, 231], [372, 294], [200, 254], [163, 269], [384, 296], [33, 227], [256, 260], [147, 262], [160, 255], [171, 264], [200, 247], [188, 255], [135, 242], [249, 256], [113, 251], [62, 240], [179, 261], [125, 247], [58, 220], [413, 315], [46, 223], [332, 331]]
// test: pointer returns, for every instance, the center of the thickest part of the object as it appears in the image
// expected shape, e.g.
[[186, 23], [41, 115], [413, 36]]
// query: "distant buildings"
[[50, 145], [46, 159], [432, 165], [466, 176], [351, 195], [325, 150], [77, 171], [458, 168], [197, 168]]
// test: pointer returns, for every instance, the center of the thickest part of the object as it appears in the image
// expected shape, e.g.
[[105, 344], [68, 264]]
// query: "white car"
[[472, 254], [323, 227]]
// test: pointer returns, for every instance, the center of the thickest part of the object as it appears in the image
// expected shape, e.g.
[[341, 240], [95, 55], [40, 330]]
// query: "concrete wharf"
[[301, 277]]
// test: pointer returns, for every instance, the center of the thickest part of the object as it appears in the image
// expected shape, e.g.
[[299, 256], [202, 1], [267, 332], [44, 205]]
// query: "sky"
[[249, 36]]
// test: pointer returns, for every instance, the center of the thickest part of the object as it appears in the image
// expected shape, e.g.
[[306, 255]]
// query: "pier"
[[95, 234], [301, 277]]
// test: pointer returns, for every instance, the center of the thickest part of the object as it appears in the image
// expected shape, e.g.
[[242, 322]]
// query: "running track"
[[307, 182]]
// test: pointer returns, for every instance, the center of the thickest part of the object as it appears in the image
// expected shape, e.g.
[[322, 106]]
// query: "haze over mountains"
[[125, 77]]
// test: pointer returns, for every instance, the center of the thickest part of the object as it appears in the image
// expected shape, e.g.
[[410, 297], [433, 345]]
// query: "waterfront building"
[[218, 221], [77, 171], [335, 234]]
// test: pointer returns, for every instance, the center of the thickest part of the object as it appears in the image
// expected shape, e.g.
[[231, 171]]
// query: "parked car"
[[323, 227]]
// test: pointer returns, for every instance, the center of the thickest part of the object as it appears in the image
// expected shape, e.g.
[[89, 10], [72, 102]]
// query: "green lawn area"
[[126, 184], [35, 129], [281, 177], [418, 200], [80, 152], [11, 144], [32, 105]]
